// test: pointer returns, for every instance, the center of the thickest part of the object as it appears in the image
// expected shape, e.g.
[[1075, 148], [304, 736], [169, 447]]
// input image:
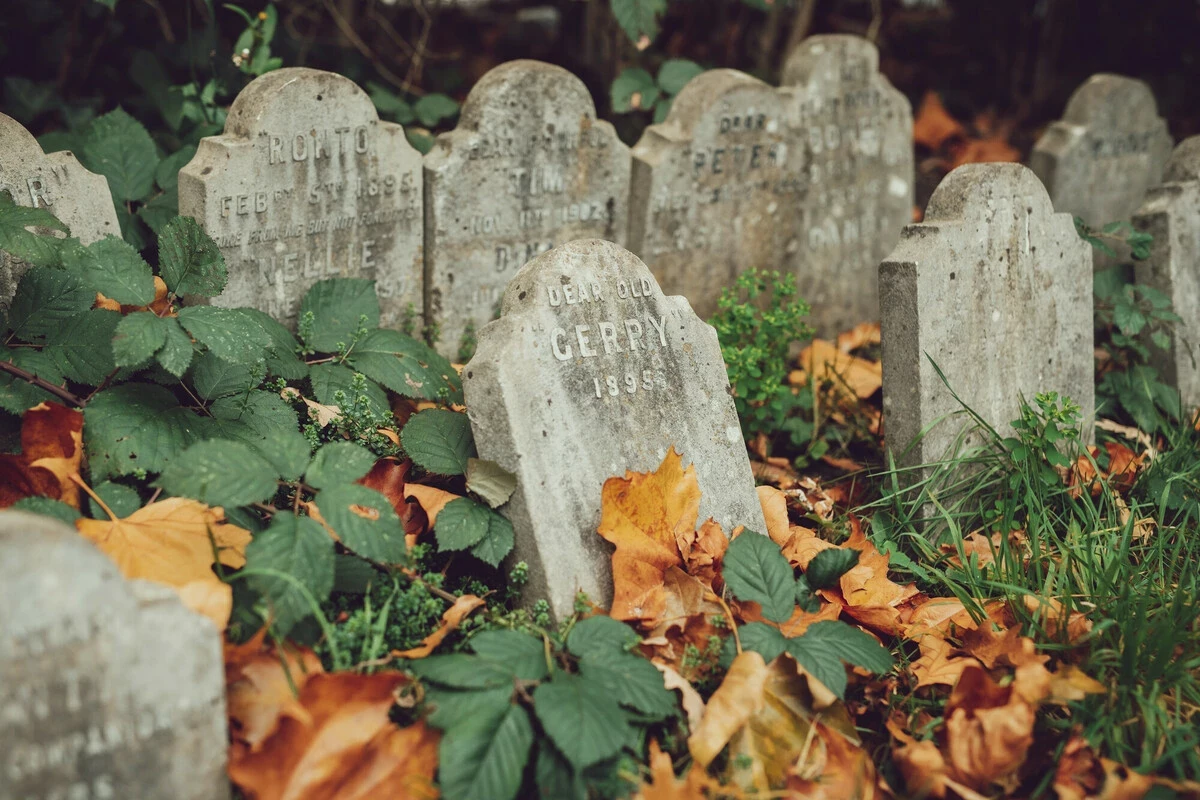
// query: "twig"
[[41, 383]]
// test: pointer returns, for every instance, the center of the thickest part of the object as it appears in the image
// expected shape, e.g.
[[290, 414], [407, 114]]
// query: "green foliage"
[[1047, 437], [252, 50], [636, 90], [639, 19], [465, 524], [439, 440], [757, 321]]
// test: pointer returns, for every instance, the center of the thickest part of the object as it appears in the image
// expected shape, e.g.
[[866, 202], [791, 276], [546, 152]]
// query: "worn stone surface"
[[592, 371], [1109, 148], [996, 288], [53, 181], [306, 183], [859, 169], [528, 167], [108, 688], [1171, 214]]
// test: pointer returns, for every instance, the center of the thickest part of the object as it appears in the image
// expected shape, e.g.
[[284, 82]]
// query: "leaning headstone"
[[528, 167], [591, 371], [718, 187], [108, 688], [859, 172], [55, 182], [1109, 148], [994, 288], [305, 184], [1171, 214]]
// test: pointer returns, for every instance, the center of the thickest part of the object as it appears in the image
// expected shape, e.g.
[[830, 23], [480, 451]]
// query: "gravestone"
[[1109, 148], [108, 688], [994, 287], [55, 182], [591, 371], [858, 167], [718, 187], [306, 183], [528, 167], [1171, 214]]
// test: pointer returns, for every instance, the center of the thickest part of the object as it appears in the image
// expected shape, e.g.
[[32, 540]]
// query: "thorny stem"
[[78, 480], [41, 383]]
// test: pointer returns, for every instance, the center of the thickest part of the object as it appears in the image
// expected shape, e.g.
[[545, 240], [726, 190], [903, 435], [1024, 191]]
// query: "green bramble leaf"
[[828, 566], [484, 757], [364, 521], [112, 267], [823, 647], [46, 300], [756, 571], [301, 548], [763, 639], [328, 379], [464, 524], [177, 350], [219, 472], [439, 441], [214, 377], [634, 90], [136, 426], [138, 337], [639, 18], [432, 108], [461, 671], [406, 366], [339, 462], [48, 508], [17, 240], [118, 147], [228, 333], [633, 681], [451, 707], [581, 718], [337, 304], [268, 425], [675, 73], [17, 395], [121, 500], [600, 635], [523, 654], [189, 260], [82, 347]]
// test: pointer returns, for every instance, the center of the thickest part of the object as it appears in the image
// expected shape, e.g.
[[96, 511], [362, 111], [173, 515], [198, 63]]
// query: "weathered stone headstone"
[[996, 289], [1109, 148], [53, 181], [1171, 214], [306, 183], [591, 371], [108, 688], [528, 167], [718, 186], [859, 172]]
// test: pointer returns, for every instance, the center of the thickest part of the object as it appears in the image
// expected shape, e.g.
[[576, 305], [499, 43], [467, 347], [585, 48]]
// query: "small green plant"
[[635, 89], [252, 50], [755, 341], [1043, 434]]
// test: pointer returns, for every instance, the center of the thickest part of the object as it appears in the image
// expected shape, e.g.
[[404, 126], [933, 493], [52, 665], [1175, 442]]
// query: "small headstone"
[[996, 289], [859, 173], [592, 371], [55, 182], [1109, 148], [1171, 214], [718, 186], [108, 688], [306, 183], [528, 167]]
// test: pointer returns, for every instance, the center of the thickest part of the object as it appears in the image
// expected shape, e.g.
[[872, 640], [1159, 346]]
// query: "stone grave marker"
[[1171, 214], [859, 174], [53, 181], [1109, 148], [592, 371], [307, 183], [528, 167], [717, 186], [108, 688], [996, 288]]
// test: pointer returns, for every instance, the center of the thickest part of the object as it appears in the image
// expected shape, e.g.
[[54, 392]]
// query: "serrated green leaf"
[[111, 266], [600, 635], [439, 440], [484, 758], [338, 462], [461, 671], [353, 575], [406, 366], [25, 99], [463, 523], [662, 109], [523, 654], [364, 521], [634, 89], [189, 260], [763, 639], [1128, 318], [82, 347], [828, 566], [756, 571], [823, 647], [434, 107], [48, 508], [213, 376], [581, 718], [118, 147], [133, 230], [167, 173], [158, 211], [451, 707], [136, 426], [805, 598], [495, 546], [633, 681], [17, 240], [328, 379], [675, 73], [389, 104], [282, 360], [556, 777], [17, 395], [46, 300], [337, 304], [121, 500], [229, 333], [138, 337], [220, 472], [295, 546], [176, 353], [638, 18]]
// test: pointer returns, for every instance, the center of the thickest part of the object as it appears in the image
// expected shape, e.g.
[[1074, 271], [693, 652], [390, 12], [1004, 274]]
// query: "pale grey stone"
[[1109, 148], [1171, 214], [528, 167], [307, 183], [996, 289], [108, 688], [859, 169], [53, 181], [592, 371]]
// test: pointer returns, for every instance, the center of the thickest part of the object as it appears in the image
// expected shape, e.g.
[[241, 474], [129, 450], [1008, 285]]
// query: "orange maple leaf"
[[937, 664], [51, 452], [663, 785], [261, 688], [347, 748]]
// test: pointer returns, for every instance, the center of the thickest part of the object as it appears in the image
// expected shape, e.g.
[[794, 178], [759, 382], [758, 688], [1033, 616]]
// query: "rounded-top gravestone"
[[53, 181], [307, 183], [528, 167], [589, 372]]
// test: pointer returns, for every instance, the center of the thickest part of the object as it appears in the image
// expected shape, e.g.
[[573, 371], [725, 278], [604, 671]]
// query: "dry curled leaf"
[[451, 619], [51, 452], [261, 685]]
